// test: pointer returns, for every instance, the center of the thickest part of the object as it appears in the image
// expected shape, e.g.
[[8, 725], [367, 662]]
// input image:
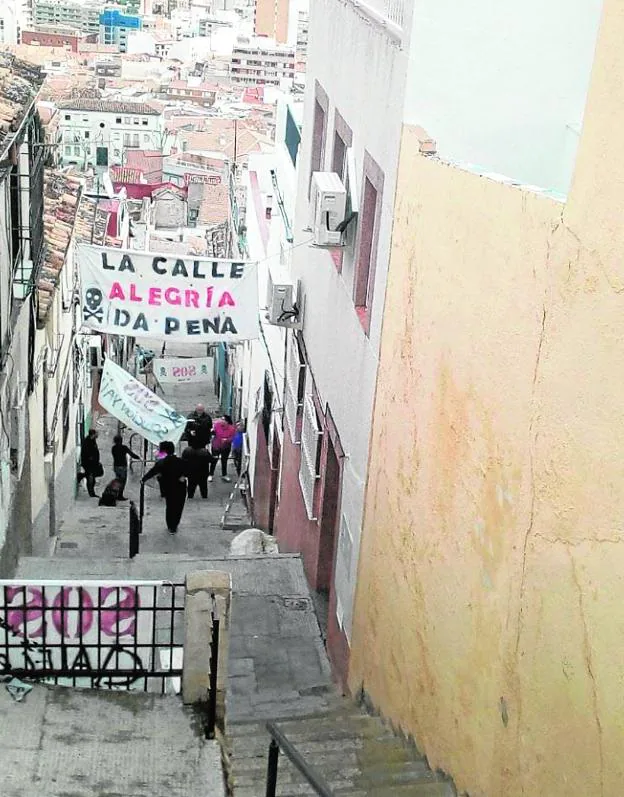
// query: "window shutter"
[[310, 455]]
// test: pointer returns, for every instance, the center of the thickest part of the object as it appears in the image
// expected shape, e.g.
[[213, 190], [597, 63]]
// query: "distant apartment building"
[[67, 14], [115, 28], [99, 133], [202, 93], [271, 19], [46, 37], [262, 61]]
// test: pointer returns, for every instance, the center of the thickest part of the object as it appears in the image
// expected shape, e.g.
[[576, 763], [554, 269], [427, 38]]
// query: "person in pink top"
[[223, 431]]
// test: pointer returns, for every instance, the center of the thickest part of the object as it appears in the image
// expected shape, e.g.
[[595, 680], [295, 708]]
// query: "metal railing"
[[135, 523], [211, 719], [89, 635], [279, 741]]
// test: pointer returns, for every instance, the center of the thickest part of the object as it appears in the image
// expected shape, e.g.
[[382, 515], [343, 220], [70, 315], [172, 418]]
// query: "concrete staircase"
[[356, 754]]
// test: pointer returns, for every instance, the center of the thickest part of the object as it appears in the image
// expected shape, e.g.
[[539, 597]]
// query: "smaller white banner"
[[175, 370], [134, 404]]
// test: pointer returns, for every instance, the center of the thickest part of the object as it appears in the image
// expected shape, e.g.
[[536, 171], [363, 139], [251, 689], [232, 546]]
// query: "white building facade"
[[97, 133], [351, 127], [271, 183]]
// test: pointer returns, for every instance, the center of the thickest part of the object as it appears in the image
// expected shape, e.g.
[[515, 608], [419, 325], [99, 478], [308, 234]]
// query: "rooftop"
[[20, 82], [61, 198], [149, 163], [108, 106]]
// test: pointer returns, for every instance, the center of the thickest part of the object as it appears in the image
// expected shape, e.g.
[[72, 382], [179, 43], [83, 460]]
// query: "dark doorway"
[[328, 532]]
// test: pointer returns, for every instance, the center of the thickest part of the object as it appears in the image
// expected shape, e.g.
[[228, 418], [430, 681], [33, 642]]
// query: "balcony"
[[391, 14]]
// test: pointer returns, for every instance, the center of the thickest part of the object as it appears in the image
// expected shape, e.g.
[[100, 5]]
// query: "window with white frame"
[[294, 388], [309, 468]]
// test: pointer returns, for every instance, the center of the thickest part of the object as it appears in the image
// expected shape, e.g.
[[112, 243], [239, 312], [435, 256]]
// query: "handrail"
[[214, 664], [280, 742]]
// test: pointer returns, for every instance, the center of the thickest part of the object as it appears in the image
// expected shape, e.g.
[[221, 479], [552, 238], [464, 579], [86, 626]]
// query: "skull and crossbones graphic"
[[93, 305]]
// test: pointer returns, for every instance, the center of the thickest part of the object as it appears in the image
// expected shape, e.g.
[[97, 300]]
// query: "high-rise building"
[[271, 19], [67, 14]]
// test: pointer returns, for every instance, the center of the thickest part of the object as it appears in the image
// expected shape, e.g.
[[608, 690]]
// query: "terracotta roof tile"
[[61, 198], [20, 82]]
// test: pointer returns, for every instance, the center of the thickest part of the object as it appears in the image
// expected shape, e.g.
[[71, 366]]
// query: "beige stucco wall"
[[490, 604]]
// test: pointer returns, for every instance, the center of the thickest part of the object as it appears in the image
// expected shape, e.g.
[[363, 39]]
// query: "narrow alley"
[[277, 668]]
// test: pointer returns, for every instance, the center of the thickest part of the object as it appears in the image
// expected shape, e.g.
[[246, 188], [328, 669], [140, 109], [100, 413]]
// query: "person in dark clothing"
[[171, 471], [90, 461], [121, 453], [237, 447], [197, 462], [199, 428]]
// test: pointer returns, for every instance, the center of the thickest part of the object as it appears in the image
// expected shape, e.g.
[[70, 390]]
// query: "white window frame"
[[309, 472], [293, 387]]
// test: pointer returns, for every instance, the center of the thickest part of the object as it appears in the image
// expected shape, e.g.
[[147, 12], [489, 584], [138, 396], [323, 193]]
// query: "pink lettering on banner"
[[183, 370], [68, 618], [116, 292], [172, 296], [155, 297], [226, 300], [26, 614]]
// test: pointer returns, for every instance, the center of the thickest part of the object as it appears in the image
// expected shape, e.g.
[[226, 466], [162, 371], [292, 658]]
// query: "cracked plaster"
[[491, 577]]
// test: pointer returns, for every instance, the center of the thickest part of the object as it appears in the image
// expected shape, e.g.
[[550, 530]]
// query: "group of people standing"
[[208, 444]]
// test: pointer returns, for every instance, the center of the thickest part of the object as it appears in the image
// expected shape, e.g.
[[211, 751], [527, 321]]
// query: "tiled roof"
[[91, 222], [148, 162], [108, 106], [20, 82], [61, 197]]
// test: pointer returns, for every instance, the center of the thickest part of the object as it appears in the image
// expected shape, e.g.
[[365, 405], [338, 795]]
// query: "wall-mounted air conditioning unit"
[[284, 303], [328, 203]]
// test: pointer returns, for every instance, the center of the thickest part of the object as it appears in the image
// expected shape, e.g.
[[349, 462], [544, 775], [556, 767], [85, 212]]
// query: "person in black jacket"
[[199, 428], [171, 471], [197, 462], [90, 461], [120, 454]]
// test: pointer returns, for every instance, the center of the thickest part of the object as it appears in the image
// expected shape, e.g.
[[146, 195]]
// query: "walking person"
[[90, 461], [170, 470], [223, 431], [199, 428], [120, 454], [237, 447], [195, 471]]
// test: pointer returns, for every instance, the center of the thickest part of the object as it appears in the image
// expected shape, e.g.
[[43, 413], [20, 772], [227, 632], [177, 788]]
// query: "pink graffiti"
[[113, 621], [26, 615], [72, 613], [68, 619]]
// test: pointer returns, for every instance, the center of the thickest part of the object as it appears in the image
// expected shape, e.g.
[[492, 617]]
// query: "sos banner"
[[177, 370], [167, 297]]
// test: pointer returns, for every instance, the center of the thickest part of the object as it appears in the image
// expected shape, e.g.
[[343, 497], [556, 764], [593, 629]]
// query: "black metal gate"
[[95, 635]]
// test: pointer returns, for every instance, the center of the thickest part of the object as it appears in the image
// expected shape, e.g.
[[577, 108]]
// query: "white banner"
[[167, 297], [177, 370], [134, 404], [85, 628]]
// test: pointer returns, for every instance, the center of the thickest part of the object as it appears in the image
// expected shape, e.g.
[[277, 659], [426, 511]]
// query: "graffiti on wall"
[[83, 634]]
